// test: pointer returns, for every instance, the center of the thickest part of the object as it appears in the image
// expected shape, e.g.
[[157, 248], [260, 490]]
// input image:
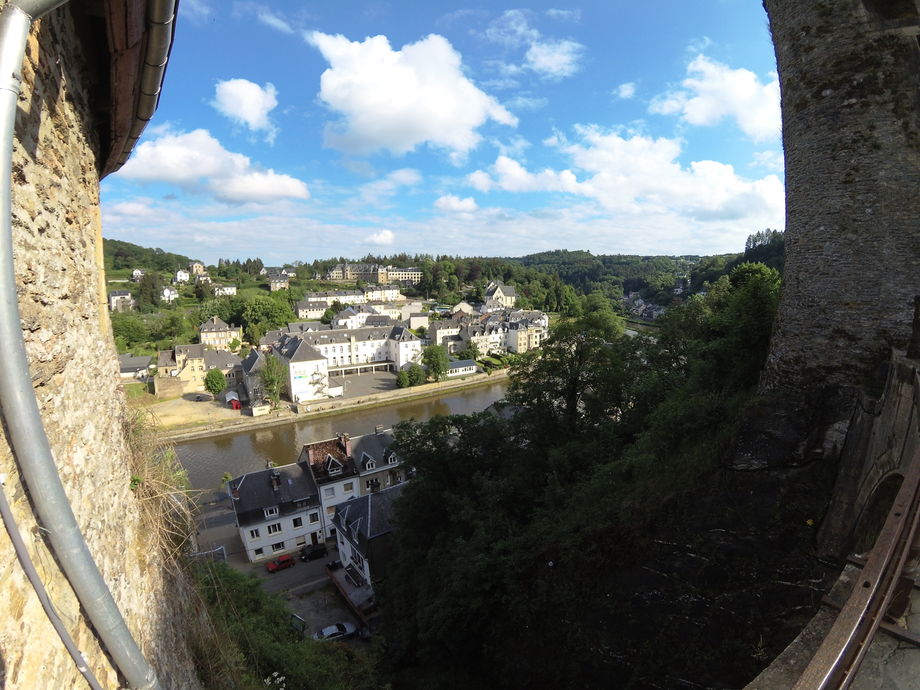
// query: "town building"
[[121, 301], [137, 274], [169, 295], [409, 276], [504, 294], [462, 367], [217, 334], [196, 268], [181, 277], [130, 368], [278, 282], [343, 297], [277, 510], [381, 293], [307, 310], [224, 290], [183, 369]]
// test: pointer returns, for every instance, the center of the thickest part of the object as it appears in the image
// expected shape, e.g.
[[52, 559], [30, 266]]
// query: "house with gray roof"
[[363, 528], [216, 333], [277, 510]]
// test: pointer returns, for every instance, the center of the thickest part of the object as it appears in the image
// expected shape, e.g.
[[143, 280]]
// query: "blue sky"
[[296, 130]]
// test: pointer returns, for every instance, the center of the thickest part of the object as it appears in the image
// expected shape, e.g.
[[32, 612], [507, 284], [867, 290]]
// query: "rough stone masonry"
[[850, 81], [73, 365]]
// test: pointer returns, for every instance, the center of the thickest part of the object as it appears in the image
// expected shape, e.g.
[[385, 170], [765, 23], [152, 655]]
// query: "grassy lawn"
[[139, 392]]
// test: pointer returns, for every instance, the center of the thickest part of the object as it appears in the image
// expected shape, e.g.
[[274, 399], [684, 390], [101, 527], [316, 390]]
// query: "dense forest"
[[583, 535]]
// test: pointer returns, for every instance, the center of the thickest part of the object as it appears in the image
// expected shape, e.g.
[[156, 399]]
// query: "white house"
[[461, 367], [181, 277], [137, 274], [381, 293], [224, 290], [307, 369], [168, 295], [343, 297], [121, 301], [311, 310], [277, 510]]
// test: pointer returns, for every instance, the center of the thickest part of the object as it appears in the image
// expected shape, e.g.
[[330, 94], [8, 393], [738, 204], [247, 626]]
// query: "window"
[[271, 512], [278, 547], [348, 487], [258, 552], [393, 459], [329, 491], [301, 541], [298, 522], [370, 465], [274, 528], [254, 534], [314, 517], [330, 510]]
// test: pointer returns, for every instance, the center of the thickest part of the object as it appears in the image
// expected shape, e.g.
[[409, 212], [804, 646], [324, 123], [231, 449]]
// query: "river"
[[206, 460]]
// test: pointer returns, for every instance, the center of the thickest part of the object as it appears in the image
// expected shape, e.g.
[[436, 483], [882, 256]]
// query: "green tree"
[[402, 379], [130, 328], [435, 359], [215, 382], [148, 292], [273, 378], [416, 375]]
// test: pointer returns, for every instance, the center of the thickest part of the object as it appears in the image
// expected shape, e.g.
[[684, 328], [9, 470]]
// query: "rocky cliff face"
[[850, 80], [73, 365]]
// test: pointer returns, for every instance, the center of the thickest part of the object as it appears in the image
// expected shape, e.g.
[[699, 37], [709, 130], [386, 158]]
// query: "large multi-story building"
[[217, 334], [282, 509], [183, 369], [374, 273]]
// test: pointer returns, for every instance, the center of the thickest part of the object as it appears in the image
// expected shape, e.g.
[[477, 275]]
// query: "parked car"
[[280, 563], [308, 553], [339, 631]]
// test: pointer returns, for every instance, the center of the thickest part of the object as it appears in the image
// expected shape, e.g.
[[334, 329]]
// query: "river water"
[[206, 460]]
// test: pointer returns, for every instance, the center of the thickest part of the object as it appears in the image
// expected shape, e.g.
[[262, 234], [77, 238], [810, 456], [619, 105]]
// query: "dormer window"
[[271, 512], [370, 464]]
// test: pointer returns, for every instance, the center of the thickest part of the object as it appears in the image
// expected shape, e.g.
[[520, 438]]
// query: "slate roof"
[[119, 293], [214, 325], [127, 363], [460, 363], [367, 517], [375, 446], [220, 359], [254, 362], [378, 320], [295, 349], [256, 492]]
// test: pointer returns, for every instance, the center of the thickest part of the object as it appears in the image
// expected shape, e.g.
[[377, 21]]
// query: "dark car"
[[308, 553], [280, 563]]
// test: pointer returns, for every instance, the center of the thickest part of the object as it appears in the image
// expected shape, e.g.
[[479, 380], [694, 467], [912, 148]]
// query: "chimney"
[[310, 455], [276, 480], [346, 445]]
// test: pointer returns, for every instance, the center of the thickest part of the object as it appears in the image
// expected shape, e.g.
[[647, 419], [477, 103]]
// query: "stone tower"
[[850, 79]]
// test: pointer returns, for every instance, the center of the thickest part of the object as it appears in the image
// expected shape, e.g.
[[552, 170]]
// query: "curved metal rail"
[[837, 659]]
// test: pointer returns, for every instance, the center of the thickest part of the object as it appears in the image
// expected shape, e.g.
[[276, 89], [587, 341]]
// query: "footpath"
[[187, 420]]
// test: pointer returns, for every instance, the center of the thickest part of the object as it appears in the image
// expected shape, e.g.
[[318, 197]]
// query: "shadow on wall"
[[872, 519]]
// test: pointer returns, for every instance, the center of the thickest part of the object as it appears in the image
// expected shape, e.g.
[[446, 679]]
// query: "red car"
[[280, 563]]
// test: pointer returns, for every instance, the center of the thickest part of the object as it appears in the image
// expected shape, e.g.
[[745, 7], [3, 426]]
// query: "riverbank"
[[201, 420]]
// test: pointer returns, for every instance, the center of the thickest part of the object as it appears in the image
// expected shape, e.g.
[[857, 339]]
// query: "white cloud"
[[512, 29], [455, 204], [770, 160], [247, 103], [636, 174], [526, 103], [554, 59], [625, 91], [382, 237], [399, 99], [198, 11], [714, 91], [196, 161], [274, 21], [261, 186], [564, 15], [378, 191]]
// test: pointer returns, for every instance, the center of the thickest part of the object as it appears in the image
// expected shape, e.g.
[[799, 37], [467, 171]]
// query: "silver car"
[[339, 631]]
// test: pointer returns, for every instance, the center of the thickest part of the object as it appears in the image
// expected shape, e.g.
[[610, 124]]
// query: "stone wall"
[[74, 368], [850, 80]]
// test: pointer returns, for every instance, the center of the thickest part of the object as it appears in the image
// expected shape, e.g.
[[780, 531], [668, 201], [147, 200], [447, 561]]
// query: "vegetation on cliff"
[[526, 550]]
